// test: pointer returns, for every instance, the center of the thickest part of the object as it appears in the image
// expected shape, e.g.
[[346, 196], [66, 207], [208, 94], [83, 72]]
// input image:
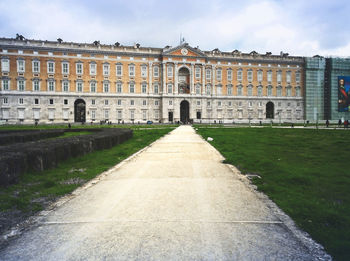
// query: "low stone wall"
[[9, 137], [19, 158]]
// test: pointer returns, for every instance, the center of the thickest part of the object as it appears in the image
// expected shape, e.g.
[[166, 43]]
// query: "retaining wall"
[[19, 158]]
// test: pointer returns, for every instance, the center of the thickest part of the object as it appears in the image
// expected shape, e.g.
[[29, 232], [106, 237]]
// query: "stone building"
[[57, 82]]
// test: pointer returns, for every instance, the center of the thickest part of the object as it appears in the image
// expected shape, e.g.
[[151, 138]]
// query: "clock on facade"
[[184, 51]]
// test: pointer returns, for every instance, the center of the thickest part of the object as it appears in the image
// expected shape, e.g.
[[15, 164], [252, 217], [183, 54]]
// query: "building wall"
[[314, 88], [228, 99], [339, 67]]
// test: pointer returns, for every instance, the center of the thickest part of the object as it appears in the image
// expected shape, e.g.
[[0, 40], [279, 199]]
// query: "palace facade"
[[59, 82]]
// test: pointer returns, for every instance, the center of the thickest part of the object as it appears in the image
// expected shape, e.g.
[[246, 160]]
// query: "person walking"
[[327, 123]]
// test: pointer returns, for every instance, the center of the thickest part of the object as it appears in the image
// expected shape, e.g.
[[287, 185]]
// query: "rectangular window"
[[218, 90], [239, 90], [51, 114], [143, 71], [219, 103], [131, 87], [106, 87], [279, 91], [144, 102], [132, 115], [198, 103], [36, 101], [289, 77], [105, 69], [132, 102], [144, 88], [279, 76], [289, 91], [156, 88], [229, 90], [65, 102], [20, 85], [250, 75], [198, 89], [92, 86], [93, 114], [36, 66], [36, 87], [93, 102], [131, 70], [119, 114], [119, 87], [106, 114], [93, 68], [5, 65], [119, 70], [20, 66], [106, 102], [297, 91], [218, 74], [269, 76], [269, 91], [170, 88], [250, 91], [79, 68], [156, 103], [50, 67], [155, 71], [51, 101], [208, 89], [20, 101], [51, 85], [144, 115], [5, 85], [297, 77], [156, 114], [79, 86], [65, 68], [207, 74], [119, 102], [198, 73], [260, 76], [229, 75], [5, 100], [239, 75], [170, 71], [65, 86]]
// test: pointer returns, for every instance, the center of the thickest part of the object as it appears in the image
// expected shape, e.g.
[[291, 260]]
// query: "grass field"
[[35, 189], [304, 171]]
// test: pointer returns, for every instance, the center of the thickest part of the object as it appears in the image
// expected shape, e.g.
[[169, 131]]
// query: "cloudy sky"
[[299, 27]]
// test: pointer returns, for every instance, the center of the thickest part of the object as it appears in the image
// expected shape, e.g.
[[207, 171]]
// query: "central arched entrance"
[[270, 108], [79, 110], [184, 80], [184, 112]]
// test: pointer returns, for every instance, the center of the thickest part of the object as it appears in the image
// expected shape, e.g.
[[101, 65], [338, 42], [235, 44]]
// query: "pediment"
[[184, 50]]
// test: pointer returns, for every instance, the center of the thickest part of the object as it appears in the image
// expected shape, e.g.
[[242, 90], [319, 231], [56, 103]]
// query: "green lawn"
[[49, 184], [304, 171]]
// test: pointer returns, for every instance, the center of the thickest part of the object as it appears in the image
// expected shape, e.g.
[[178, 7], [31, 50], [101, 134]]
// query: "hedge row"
[[19, 158], [10, 137]]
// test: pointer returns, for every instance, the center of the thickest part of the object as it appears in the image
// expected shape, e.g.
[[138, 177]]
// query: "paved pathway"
[[174, 201]]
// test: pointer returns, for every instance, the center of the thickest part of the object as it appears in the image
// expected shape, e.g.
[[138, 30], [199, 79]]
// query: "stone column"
[[176, 82], [192, 89], [213, 80], [150, 75], [162, 90], [203, 79]]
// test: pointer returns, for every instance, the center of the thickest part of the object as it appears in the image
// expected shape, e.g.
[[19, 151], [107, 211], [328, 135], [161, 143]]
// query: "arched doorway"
[[184, 80], [79, 110], [184, 112], [270, 110]]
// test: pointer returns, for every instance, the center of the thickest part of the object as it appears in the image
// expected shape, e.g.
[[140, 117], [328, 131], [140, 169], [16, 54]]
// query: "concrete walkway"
[[173, 201]]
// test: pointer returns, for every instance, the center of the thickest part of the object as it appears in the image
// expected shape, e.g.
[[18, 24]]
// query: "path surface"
[[174, 201]]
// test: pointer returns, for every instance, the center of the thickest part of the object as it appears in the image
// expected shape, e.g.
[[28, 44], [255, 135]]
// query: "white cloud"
[[293, 27]]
